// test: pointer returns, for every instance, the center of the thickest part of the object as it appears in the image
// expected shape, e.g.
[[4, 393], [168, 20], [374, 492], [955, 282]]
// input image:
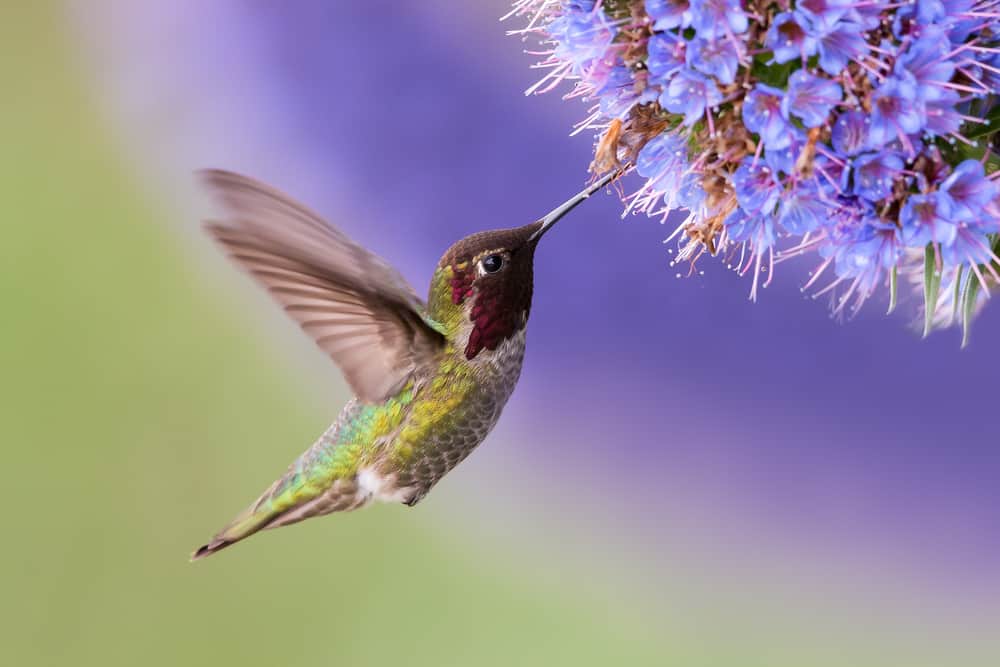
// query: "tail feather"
[[280, 507], [212, 547], [240, 528]]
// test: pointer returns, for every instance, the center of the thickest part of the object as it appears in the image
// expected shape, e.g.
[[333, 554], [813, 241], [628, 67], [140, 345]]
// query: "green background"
[[142, 406], [132, 395]]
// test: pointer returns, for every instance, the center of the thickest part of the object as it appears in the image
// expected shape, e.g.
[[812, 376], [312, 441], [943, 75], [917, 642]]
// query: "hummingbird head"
[[483, 283]]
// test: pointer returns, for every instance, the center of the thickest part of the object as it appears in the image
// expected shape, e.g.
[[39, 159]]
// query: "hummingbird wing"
[[357, 307]]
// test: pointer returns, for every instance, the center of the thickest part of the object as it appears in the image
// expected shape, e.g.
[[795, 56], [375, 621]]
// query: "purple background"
[[675, 406]]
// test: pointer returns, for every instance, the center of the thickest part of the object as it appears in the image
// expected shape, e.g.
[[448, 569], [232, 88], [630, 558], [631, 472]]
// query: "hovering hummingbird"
[[429, 379]]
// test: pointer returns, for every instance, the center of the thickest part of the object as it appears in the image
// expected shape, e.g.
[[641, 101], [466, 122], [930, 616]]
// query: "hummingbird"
[[429, 379]]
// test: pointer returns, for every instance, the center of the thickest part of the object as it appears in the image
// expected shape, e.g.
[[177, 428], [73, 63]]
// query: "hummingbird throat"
[[497, 309]]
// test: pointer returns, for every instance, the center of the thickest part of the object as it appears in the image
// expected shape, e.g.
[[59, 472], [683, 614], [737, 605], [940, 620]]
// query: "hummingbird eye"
[[491, 263]]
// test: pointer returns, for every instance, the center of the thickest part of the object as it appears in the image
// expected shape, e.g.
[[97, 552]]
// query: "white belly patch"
[[381, 487]]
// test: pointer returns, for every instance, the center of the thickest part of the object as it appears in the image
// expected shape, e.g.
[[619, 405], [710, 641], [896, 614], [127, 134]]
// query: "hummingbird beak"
[[557, 213]]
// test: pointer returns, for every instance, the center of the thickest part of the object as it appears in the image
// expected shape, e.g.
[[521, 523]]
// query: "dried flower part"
[[606, 152], [864, 131]]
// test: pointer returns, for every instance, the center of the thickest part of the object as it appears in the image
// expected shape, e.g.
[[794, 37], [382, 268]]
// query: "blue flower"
[[762, 114], [666, 55], [874, 174], [942, 118], [663, 160], [582, 35], [719, 58], [846, 42], [618, 94], [972, 242], [925, 218], [880, 183], [968, 190], [788, 38], [959, 21], [910, 18], [756, 186], [757, 230], [690, 93], [668, 14], [802, 210], [897, 110], [868, 15], [926, 60], [930, 11], [862, 249], [850, 133], [810, 98], [823, 15], [782, 160], [690, 194], [988, 69], [718, 18]]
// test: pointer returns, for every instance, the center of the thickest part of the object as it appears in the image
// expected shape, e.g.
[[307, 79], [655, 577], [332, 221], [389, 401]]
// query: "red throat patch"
[[499, 308], [491, 325], [461, 283]]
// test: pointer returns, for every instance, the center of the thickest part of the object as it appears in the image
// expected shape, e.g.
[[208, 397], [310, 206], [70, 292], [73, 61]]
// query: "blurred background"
[[682, 477]]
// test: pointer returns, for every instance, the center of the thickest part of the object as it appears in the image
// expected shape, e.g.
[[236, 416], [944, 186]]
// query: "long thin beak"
[[561, 210]]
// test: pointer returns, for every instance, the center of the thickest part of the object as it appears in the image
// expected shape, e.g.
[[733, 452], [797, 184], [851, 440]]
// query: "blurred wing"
[[357, 307]]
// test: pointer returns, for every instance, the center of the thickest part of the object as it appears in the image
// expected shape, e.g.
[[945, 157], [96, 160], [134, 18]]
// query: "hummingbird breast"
[[398, 450], [452, 412]]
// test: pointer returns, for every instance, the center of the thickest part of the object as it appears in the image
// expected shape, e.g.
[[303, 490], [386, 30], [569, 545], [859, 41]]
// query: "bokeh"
[[682, 477]]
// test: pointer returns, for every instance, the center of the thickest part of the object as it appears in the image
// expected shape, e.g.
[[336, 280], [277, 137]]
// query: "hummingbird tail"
[[288, 501], [319, 482], [205, 550], [242, 527]]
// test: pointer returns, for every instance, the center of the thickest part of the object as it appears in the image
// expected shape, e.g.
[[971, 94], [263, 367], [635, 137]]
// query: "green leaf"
[[979, 153], [957, 299], [992, 124], [932, 283], [972, 287], [773, 74], [893, 290]]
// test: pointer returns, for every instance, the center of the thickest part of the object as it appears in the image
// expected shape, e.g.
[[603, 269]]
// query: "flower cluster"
[[864, 131]]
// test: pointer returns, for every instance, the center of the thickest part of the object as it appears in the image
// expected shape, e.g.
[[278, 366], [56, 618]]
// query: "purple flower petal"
[[662, 160], [823, 15], [756, 186], [897, 111], [669, 14], [863, 249], [719, 58], [968, 190], [757, 230], [811, 98], [789, 39], [875, 173], [666, 55], [690, 93], [840, 46], [942, 116], [850, 133], [925, 59], [718, 18], [802, 210], [762, 114], [926, 218]]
